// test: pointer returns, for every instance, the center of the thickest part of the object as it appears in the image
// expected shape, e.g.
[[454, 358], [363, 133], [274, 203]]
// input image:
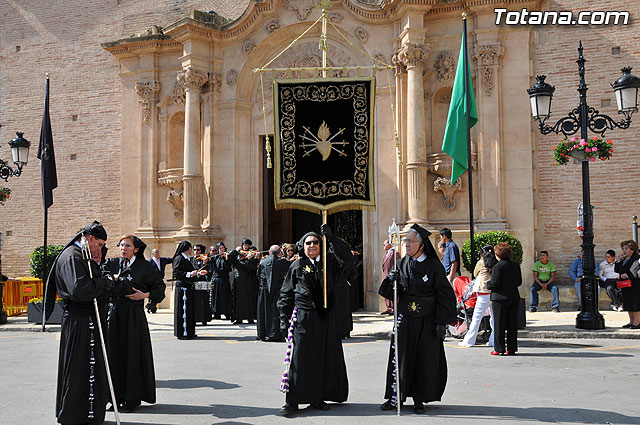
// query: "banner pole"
[[324, 47], [469, 162], [324, 259]]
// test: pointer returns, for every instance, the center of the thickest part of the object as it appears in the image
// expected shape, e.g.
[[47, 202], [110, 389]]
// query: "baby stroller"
[[465, 304]]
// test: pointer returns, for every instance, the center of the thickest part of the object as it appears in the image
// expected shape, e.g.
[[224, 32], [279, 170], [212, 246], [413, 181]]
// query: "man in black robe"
[[271, 272], [129, 348], [220, 268], [202, 292], [184, 319], [318, 372], [426, 304], [244, 291], [83, 389]]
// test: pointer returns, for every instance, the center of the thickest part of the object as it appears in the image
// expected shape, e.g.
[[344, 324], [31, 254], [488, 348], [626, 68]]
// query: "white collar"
[[131, 260], [314, 261], [186, 257], [421, 258]]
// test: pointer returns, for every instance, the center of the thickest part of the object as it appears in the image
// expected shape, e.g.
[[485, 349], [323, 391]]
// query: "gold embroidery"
[[323, 142], [413, 306]]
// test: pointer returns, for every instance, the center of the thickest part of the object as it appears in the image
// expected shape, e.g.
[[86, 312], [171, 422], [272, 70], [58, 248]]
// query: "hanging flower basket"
[[5, 193], [582, 150]]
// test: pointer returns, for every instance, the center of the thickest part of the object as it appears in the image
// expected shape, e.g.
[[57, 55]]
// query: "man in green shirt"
[[544, 275]]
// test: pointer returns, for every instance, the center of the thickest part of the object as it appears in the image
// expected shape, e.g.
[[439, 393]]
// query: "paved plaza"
[[226, 376]]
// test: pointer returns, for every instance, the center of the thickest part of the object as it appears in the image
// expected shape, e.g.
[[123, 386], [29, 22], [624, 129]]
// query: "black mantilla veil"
[[219, 244], [137, 242], [426, 242], [94, 229], [182, 247], [246, 241]]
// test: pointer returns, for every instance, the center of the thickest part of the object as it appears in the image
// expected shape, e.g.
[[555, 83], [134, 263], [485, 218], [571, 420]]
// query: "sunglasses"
[[316, 242]]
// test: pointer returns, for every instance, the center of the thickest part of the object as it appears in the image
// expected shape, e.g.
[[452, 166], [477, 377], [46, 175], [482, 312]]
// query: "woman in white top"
[[608, 278], [483, 303]]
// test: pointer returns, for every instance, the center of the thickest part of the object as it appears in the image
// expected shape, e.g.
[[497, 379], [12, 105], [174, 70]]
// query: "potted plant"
[[5, 193], [490, 238], [36, 260], [582, 150], [34, 311]]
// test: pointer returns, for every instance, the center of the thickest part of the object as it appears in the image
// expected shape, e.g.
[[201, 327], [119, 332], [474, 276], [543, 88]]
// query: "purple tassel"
[[284, 383]]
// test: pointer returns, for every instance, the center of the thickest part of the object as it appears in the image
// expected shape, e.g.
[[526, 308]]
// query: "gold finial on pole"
[[47, 75], [323, 43], [464, 15]]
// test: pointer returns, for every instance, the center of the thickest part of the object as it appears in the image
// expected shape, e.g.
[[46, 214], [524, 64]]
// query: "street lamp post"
[[586, 118], [20, 155]]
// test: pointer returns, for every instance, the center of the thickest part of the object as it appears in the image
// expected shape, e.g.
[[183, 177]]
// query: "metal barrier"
[[18, 292]]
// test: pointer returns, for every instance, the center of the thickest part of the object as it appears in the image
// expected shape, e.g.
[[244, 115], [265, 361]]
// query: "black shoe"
[[533, 310], [387, 406], [628, 325], [237, 322], [251, 322], [635, 326], [130, 406], [321, 406], [557, 310], [289, 409], [216, 317], [418, 407]]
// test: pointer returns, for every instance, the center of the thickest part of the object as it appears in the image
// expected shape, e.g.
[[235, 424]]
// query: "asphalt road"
[[227, 377]]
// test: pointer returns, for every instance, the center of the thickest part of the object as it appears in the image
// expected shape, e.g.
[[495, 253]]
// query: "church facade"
[[159, 121]]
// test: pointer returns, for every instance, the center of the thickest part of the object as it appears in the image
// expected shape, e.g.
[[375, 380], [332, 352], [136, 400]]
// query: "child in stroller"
[[465, 305]]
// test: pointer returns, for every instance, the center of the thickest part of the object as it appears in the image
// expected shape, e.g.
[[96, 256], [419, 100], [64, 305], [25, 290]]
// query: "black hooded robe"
[[318, 371], [183, 308], [422, 361], [342, 291], [202, 297], [129, 341], [83, 389], [271, 272], [220, 268], [243, 292]]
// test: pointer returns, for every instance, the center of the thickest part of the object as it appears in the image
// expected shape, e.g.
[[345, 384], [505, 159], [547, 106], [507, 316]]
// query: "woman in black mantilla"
[[184, 275], [318, 372], [129, 349], [220, 286], [426, 304], [244, 291]]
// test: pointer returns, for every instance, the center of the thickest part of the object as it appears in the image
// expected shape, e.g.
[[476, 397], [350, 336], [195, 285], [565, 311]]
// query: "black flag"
[[47, 157]]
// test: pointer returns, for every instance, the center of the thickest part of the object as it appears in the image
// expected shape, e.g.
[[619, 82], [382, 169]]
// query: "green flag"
[[455, 135]]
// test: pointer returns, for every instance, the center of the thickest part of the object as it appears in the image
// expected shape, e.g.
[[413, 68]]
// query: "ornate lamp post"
[[584, 118], [20, 155]]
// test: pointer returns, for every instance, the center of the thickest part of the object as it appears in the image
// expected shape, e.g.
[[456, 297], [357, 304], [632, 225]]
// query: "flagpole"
[[46, 217], [467, 113]]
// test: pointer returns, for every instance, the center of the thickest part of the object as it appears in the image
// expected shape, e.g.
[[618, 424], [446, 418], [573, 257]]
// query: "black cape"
[[423, 303], [82, 390], [271, 272], [129, 348], [244, 289], [202, 297], [318, 371], [220, 268]]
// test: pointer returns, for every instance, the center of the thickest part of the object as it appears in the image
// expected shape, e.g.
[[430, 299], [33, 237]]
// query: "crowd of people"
[[296, 296]]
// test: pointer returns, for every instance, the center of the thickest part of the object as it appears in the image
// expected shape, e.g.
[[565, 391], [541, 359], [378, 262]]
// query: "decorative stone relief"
[[362, 34], [248, 46], [214, 83], [445, 66], [412, 54], [335, 16], [172, 178], [178, 95], [301, 7], [272, 26], [380, 57], [232, 77], [487, 57], [190, 78], [444, 185], [147, 92], [443, 95]]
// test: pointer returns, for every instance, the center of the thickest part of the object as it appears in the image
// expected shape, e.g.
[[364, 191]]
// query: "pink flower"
[[594, 149], [592, 159], [573, 139], [575, 147], [582, 142], [587, 149]]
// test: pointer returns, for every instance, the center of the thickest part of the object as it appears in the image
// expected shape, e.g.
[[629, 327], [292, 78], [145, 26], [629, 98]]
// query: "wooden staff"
[[324, 258]]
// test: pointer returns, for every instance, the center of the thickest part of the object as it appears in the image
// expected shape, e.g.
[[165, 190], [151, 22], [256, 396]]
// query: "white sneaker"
[[488, 344], [613, 307], [462, 344], [620, 308]]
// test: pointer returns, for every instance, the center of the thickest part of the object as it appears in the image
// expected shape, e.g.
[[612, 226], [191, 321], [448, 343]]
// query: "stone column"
[[412, 56], [192, 80]]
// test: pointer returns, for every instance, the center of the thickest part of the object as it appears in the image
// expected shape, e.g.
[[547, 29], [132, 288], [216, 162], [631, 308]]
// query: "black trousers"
[[612, 291], [505, 317]]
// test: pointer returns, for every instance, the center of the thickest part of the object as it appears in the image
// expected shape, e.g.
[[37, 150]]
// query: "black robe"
[[129, 342], [422, 361], [343, 305], [220, 268], [318, 371], [183, 299], [244, 289], [271, 272], [83, 389], [201, 297]]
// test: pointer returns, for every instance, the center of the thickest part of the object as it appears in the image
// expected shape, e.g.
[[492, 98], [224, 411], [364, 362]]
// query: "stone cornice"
[[142, 45]]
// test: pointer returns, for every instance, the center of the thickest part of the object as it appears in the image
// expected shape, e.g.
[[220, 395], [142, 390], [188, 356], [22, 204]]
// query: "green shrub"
[[490, 238], [36, 260]]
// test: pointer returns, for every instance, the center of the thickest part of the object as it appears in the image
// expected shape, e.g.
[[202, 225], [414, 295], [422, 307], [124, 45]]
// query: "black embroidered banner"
[[324, 151]]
